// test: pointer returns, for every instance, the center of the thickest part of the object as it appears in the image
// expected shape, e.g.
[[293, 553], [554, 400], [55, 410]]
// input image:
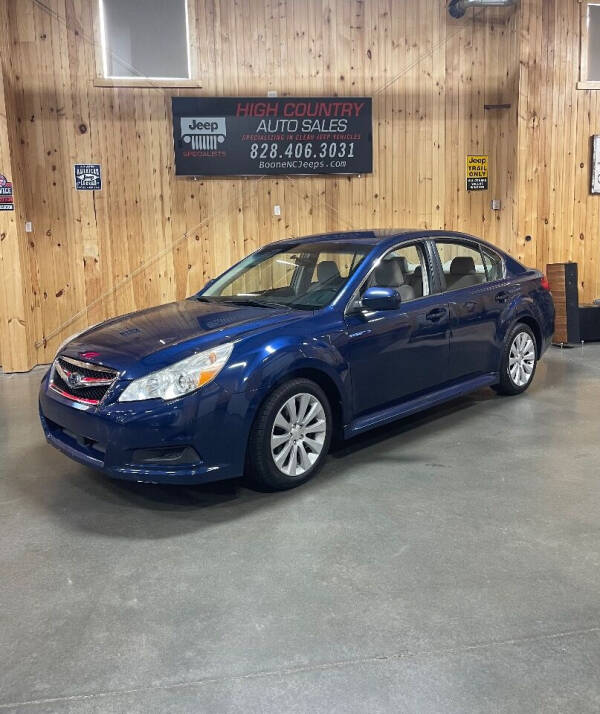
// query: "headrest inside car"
[[389, 274], [327, 270], [403, 261], [462, 265]]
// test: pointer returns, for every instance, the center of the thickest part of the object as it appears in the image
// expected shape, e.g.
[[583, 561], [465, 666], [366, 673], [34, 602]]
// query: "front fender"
[[267, 363]]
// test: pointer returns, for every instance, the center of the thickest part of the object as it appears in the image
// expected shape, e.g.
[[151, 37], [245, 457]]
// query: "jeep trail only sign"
[[257, 136], [477, 173]]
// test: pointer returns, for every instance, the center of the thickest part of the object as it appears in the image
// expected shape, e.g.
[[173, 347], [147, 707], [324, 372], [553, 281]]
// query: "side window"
[[405, 270], [494, 267], [462, 264]]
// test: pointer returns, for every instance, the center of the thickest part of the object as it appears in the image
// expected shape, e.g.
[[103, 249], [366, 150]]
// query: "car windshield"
[[306, 276]]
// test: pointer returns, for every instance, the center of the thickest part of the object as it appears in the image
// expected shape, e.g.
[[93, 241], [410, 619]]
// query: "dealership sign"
[[289, 135]]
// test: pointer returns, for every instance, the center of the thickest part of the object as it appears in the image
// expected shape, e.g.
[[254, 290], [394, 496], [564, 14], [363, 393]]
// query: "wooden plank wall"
[[148, 238], [16, 338], [556, 123]]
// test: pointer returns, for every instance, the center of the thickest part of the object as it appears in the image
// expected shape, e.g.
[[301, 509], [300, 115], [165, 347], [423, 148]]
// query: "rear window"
[[494, 265], [465, 264]]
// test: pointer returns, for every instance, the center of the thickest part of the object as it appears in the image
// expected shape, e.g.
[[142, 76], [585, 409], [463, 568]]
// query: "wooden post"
[[16, 342]]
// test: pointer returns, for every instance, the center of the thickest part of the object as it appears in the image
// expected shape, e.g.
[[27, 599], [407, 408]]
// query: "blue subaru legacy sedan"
[[304, 340]]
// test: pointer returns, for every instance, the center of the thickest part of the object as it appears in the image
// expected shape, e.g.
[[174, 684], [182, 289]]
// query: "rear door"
[[397, 354], [477, 293]]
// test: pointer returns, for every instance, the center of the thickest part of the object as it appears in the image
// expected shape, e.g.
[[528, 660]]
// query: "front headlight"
[[180, 378]]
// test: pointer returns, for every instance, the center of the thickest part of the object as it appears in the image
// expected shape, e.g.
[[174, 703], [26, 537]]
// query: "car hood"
[[150, 339]]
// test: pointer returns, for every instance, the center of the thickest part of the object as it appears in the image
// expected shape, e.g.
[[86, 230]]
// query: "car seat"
[[389, 274], [463, 273]]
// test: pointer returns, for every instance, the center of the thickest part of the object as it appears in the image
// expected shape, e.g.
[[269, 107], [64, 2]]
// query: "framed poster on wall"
[[596, 164], [250, 136], [6, 195]]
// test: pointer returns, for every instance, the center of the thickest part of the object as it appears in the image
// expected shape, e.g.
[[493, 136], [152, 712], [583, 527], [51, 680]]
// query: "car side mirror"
[[375, 299]]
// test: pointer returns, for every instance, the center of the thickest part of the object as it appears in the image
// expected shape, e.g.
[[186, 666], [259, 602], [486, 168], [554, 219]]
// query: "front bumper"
[[195, 439]]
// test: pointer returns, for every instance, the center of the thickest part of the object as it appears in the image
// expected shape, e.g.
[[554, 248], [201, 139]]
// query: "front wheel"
[[291, 436], [519, 360]]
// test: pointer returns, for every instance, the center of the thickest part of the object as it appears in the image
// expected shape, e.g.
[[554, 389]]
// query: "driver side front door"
[[395, 355]]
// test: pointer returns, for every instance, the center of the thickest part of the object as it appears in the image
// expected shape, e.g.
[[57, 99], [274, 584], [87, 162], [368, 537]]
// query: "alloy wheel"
[[298, 434], [521, 359]]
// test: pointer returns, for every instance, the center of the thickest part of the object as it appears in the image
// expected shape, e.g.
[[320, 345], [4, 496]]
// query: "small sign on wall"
[[6, 194], [88, 177], [596, 165], [477, 173]]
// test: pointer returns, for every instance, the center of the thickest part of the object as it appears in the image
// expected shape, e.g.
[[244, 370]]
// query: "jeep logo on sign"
[[203, 132], [197, 125]]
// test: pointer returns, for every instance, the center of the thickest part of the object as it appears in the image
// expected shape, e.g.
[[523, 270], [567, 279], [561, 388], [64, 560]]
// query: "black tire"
[[261, 469], [508, 385]]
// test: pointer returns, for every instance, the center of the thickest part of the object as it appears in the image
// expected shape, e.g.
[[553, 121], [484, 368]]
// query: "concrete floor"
[[450, 563]]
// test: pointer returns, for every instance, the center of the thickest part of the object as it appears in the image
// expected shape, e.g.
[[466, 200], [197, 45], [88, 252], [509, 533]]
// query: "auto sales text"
[[308, 126]]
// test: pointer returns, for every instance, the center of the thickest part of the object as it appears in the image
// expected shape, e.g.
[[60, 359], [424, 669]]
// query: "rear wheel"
[[519, 361], [291, 436]]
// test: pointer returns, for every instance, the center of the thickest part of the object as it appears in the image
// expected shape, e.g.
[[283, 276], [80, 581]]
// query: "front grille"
[[81, 381], [86, 369]]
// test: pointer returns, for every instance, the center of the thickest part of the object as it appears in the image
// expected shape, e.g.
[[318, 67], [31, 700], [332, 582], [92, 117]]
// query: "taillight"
[[544, 284]]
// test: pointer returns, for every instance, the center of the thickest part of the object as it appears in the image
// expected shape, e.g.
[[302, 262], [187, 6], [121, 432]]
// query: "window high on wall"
[[590, 45], [145, 39], [593, 32]]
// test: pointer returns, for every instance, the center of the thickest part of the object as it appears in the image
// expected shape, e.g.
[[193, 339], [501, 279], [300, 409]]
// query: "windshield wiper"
[[255, 303]]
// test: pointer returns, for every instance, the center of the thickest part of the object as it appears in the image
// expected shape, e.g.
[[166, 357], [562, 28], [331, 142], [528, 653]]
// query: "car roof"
[[371, 237], [364, 237]]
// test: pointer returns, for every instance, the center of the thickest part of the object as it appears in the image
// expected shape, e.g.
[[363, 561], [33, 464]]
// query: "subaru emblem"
[[74, 380]]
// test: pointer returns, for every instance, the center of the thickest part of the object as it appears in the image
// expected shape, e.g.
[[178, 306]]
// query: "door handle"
[[436, 314], [502, 296]]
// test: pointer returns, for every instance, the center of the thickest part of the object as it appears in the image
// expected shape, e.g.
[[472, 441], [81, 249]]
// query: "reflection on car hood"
[[158, 336]]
